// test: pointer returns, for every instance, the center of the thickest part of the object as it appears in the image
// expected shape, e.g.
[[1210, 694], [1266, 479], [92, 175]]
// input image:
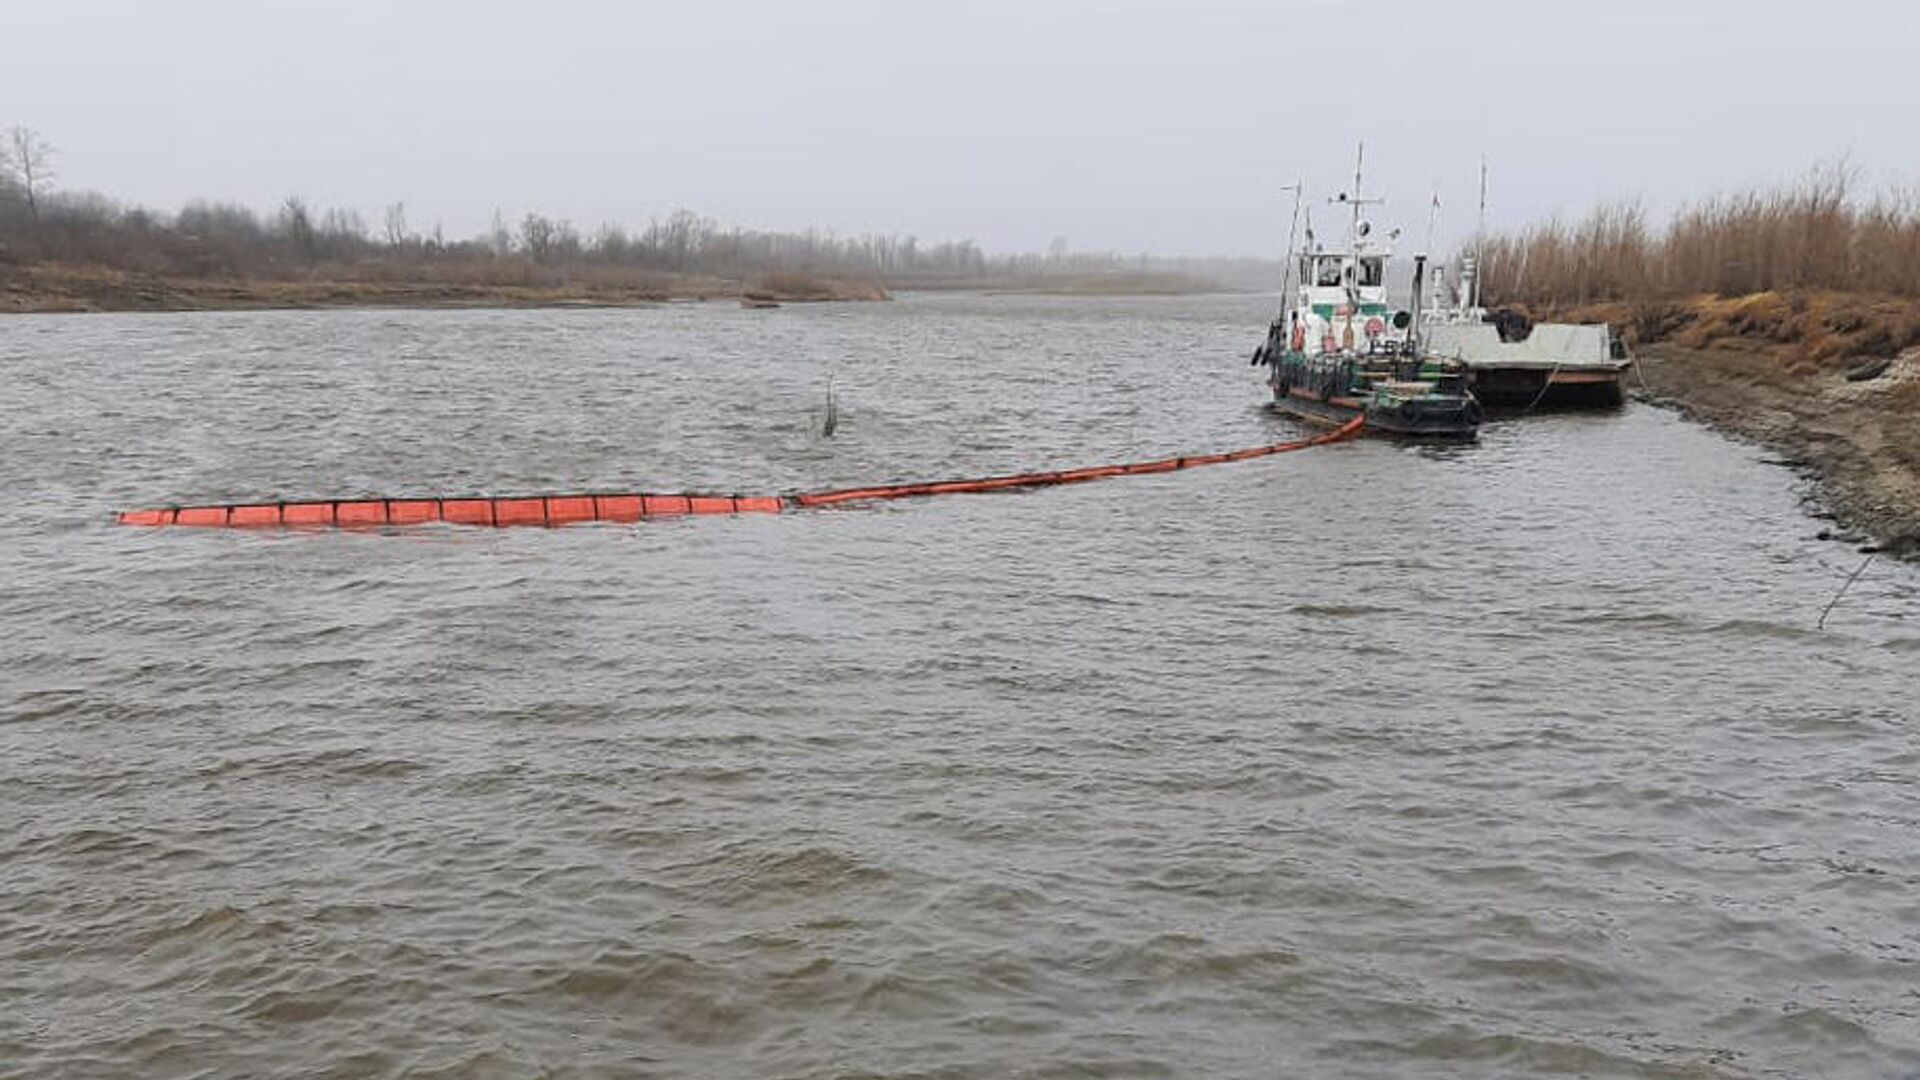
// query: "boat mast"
[[1350, 277], [1426, 251], [1480, 240], [1353, 231], [1298, 188], [1358, 201]]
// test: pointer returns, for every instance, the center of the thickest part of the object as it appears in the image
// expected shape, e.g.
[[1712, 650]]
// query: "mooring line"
[[551, 510], [1851, 578]]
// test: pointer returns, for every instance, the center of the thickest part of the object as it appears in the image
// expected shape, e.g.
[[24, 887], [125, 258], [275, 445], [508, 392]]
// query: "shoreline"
[[1858, 443], [57, 289], [1773, 368], [60, 289]]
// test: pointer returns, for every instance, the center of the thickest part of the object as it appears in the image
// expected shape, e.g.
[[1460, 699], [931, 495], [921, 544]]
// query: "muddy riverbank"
[[1859, 440]]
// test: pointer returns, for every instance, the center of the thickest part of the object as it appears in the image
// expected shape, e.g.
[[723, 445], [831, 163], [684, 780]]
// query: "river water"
[[1518, 759]]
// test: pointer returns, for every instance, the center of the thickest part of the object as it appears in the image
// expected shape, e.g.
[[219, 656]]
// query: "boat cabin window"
[[1327, 273], [1372, 271]]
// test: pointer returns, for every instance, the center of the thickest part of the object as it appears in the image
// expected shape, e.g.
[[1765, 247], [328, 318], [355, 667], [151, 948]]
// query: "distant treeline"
[[1815, 234], [295, 241]]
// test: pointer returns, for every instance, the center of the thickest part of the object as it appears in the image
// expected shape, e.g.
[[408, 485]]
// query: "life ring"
[[1375, 327]]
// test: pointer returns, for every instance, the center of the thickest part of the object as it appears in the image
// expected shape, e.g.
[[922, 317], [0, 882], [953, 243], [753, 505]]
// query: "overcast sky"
[[1131, 126]]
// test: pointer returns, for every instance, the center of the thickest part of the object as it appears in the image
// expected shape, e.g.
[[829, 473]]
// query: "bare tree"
[[537, 236], [343, 227], [499, 238], [32, 160], [297, 224], [396, 224]]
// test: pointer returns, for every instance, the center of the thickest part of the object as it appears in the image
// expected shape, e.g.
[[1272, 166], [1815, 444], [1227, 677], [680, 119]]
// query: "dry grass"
[[1806, 330], [794, 287], [1793, 242], [1807, 271]]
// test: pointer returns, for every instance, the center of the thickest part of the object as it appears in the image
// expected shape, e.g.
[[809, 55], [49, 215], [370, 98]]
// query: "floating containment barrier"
[[624, 509], [528, 510]]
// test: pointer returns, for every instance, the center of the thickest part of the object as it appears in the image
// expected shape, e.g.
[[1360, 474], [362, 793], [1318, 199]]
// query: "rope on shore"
[[550, 510]]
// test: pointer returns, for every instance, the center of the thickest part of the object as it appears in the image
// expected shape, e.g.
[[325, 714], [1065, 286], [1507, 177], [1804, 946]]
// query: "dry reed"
[[1815, 234]]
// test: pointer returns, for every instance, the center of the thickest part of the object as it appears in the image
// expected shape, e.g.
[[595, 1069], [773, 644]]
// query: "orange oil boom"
[[578, 509]]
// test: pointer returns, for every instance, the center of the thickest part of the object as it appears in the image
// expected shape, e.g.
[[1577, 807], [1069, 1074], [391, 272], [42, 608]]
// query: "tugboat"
[[1342, 351]]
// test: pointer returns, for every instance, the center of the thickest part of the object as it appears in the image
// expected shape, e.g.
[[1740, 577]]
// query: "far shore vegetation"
[[76, 250]]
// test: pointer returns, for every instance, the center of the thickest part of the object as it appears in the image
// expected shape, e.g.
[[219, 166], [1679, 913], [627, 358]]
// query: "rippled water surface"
[[1522, 759]]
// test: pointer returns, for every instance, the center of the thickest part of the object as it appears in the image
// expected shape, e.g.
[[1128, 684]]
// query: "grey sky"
[[1121, 125]]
